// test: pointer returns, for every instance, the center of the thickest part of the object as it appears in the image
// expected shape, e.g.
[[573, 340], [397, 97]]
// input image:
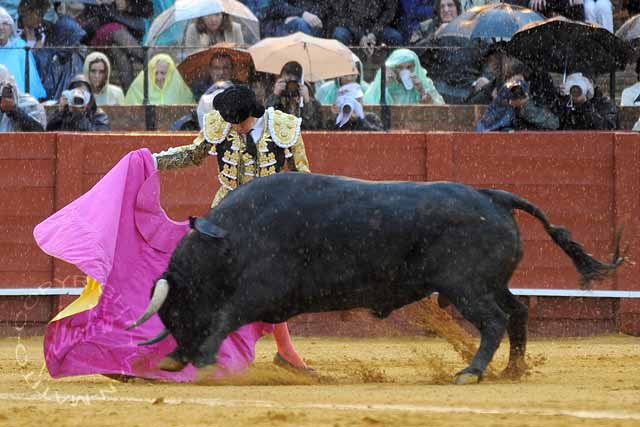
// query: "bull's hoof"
[[206, 374], [515, 371], [171, 364], [465, 378]]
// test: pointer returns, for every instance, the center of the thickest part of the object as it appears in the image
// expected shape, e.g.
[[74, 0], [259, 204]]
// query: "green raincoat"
[[328, 92], [396, 94]]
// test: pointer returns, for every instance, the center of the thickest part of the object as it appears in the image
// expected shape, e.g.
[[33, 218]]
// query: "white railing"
[[576, 293]]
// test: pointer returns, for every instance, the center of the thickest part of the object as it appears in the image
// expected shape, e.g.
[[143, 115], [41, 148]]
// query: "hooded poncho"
[[396, 93], [174, 90], [109, 94]]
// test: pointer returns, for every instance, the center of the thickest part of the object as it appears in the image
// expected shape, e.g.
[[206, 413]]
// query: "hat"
[[577, 79], [237, 103], [345, 114]]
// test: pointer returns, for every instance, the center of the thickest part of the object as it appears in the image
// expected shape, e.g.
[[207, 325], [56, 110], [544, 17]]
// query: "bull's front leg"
[[205, 357]]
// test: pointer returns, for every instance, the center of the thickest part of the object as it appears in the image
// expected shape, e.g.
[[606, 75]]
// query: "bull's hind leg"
[[517, 330], [485, 314]]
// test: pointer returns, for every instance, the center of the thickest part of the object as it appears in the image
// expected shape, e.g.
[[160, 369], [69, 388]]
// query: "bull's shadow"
[[296, 243]]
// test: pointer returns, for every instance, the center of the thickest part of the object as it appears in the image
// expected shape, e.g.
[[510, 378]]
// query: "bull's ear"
[[202, 225]]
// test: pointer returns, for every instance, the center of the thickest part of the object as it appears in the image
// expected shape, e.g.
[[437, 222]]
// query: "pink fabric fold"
[[119, 234]]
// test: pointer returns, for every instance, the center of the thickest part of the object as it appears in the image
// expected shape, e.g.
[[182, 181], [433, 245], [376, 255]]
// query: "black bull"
[[297, 243]]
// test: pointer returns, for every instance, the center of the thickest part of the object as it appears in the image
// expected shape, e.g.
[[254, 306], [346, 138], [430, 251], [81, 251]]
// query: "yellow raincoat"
[[174, 91]]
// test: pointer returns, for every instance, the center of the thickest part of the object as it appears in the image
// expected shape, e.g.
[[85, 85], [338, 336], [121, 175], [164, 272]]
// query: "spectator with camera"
[[19, 112], [583, 107], [293, 96], [77, 109], [514, 109], [12, 56]]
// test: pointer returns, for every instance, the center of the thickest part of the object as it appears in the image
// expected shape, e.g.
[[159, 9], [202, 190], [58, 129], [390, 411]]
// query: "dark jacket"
[[95, 16], [598, 113], [501, 116], [272, 13], [361, 16], [411, 13], [311, 112], [66, 120], [56, 65], [370, 123], [94, 119], [454, 64]]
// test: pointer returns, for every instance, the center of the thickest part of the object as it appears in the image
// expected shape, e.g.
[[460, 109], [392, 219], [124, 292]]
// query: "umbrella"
[[195, 66], [630, 30], [564, 46], [320, 58], [492, 21], [184, 10]]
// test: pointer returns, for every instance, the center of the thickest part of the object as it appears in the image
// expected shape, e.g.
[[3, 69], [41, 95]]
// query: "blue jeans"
[[295, 25], [389, 36]]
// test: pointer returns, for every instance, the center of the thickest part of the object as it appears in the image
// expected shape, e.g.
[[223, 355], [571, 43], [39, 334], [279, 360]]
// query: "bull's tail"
[[588, 267]]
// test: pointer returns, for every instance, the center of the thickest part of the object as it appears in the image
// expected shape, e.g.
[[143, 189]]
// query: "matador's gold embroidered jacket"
[[238, 161]]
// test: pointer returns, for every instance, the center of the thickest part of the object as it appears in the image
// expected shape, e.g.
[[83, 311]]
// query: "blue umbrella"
[[492, 21]]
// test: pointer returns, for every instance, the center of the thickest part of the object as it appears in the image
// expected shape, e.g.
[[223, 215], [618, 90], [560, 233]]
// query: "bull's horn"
[[162, 335], [159, 295]]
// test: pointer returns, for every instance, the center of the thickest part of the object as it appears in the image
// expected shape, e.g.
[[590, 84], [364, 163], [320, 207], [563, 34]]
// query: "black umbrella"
[[492, 21], [564, 46]]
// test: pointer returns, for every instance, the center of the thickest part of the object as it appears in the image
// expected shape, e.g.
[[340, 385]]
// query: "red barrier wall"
[[586, 181]]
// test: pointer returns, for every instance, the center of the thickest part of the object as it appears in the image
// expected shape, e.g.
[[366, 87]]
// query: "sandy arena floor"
[[369, 382]]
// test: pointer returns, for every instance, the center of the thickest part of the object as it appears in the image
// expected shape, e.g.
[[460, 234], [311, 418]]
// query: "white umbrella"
[[320, 58], [184, 10]]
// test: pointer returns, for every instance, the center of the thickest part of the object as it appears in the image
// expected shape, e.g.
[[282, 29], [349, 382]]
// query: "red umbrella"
[[196, 66]]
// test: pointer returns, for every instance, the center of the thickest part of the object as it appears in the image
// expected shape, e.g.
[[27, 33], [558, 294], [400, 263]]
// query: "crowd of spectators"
[[83, 55]]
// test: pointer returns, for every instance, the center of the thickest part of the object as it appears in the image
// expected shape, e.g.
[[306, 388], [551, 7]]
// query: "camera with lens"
[[77, 101], [292, 89], [514, 90], [517, 92], [75, 98]]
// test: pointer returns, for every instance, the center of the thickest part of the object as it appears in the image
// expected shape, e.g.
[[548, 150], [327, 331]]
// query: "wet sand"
[[395, 381]]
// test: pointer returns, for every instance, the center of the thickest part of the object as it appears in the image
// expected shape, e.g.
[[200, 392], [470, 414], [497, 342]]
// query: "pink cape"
[[119, 234]]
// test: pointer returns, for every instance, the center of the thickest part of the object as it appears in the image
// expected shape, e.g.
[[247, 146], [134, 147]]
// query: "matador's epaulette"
[[216, 128], [284, 128]]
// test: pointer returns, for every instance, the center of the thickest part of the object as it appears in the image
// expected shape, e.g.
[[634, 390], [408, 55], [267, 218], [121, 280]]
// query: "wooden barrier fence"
[[588, 182]]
